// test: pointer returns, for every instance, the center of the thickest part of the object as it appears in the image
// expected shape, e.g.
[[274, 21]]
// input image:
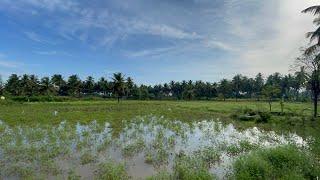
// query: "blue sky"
[[153, 41]]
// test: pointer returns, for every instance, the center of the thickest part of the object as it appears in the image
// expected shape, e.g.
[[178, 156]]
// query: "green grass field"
[[113, 112]]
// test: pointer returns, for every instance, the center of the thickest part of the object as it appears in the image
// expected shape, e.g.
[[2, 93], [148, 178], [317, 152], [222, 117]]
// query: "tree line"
[[291, 87]]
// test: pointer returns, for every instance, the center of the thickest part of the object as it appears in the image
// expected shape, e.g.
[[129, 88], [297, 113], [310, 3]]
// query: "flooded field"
[[149, 146]]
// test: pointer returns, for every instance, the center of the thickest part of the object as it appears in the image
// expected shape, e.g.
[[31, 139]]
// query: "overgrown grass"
[[284, 162]]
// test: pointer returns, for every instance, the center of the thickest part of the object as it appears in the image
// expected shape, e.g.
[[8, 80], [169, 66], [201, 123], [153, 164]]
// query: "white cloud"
[[270, 40]]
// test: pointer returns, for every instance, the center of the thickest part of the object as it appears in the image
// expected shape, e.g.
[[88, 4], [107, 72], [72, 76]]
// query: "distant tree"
[[300, 81], [236, 85], [34, 84], [13, 85], [271, 92], [188, 94], [143, 92], [258, 85], [25, 85], [103, 86], [46, 88], [166, 89], [129, 86], [224, 88], [118, 85], [88, 85], [74, 85], [59, 85]]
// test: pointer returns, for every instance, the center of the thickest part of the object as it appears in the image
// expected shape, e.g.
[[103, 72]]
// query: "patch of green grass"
[[133, 148], [87, 157], [162, 175], [112, 171], [208, 155], [190, 168], [284, 162]]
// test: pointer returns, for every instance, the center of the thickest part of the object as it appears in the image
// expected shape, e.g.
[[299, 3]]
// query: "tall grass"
[[283, 162]]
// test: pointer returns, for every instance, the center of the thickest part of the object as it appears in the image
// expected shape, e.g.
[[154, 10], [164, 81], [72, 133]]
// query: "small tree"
[[270, 92]]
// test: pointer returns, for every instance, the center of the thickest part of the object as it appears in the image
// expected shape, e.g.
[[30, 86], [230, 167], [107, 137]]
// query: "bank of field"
[[158, 140]]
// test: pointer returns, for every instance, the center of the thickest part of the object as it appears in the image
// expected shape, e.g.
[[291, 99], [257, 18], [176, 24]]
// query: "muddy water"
[[146, 145]]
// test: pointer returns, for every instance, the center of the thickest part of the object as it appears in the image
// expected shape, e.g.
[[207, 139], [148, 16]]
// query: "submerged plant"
[[130, 149], [87, 157], [112, 171], [190, 168]]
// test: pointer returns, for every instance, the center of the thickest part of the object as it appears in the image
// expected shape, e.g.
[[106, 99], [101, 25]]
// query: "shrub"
[[284, 162], [264, 117]]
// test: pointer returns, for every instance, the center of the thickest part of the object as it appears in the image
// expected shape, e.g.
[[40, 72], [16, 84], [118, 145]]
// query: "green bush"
[[264, 117], [284, 162]]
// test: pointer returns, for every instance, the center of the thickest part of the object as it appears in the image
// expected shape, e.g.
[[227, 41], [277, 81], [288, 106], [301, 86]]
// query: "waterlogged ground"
[[146, 146]]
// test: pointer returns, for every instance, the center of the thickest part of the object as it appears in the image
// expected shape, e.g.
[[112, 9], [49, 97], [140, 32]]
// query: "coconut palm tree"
[[313, 52], [314, 35], [118, 85]]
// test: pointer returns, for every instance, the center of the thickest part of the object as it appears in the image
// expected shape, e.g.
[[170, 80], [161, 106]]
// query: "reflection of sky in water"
[[188, 138]]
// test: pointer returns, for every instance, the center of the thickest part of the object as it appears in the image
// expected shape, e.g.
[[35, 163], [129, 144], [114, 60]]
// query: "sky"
[[153, 41]]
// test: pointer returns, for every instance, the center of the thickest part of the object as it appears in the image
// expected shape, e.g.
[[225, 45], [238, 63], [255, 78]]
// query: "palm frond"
[[314, 35], [313, 9], [311, 49], [316, 21]]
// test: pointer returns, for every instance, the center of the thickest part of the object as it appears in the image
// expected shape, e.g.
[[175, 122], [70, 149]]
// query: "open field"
[[157, 140]]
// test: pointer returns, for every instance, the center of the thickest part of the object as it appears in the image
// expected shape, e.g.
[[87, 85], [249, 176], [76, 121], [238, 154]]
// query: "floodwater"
[[145, 146]]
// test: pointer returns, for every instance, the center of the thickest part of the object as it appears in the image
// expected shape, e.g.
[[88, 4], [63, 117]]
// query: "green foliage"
[[284, 162], [264, 117]]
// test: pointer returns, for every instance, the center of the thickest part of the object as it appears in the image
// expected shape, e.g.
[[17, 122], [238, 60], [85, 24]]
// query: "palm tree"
[[313, 51], [315, 35], [118, 85], [46, 87], [74, 85]]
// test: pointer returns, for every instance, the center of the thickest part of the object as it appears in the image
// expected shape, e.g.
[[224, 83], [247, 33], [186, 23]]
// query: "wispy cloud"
[[46, 52], [9, 64], [36, 37], [149, 52]]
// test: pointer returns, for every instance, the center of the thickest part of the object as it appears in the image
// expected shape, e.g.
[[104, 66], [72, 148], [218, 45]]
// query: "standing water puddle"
[[146, 146]]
